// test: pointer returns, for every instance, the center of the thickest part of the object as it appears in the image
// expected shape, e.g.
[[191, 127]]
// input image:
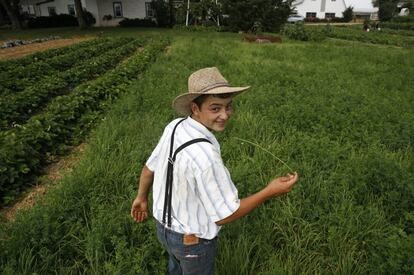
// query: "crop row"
[[24, 149], [40, 56], [18, 78], [374, 37], [18, 107], [398, 26]]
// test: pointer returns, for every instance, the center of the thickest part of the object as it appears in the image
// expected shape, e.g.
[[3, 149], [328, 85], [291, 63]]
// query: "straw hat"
[[207, 81]]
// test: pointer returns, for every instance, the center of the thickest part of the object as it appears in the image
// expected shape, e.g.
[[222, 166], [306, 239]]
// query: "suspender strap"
[[170, 169], [166, 194]]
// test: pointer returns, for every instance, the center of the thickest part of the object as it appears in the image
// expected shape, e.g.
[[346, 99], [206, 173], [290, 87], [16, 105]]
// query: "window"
[[149, 12], [71, 9], [311, 15], [51, 10], [329, 15], [117, 9]]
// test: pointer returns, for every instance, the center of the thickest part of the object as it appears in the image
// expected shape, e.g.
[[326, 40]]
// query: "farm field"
[[339, 112]]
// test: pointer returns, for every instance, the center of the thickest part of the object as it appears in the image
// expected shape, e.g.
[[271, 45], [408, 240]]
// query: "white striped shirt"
[[202, 191]]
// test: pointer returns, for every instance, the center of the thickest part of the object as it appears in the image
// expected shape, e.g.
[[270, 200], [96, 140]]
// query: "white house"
[[334, 8], [117, 9]]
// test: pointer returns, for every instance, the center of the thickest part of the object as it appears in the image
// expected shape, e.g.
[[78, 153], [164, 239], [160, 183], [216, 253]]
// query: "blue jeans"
[[197, 259]]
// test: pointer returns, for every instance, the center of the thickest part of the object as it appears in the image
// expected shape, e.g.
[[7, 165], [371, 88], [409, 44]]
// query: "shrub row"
[[136, 22], [326, 20], [25, 149], [39, 56], [59, 20], [16, 108], [19, 78]]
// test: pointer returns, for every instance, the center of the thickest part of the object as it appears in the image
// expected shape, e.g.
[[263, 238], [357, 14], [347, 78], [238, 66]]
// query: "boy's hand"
[[281, 185], [139, 209]]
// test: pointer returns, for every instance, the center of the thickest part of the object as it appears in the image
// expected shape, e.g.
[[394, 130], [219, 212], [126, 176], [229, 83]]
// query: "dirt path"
[[52, 174], [20, 51]]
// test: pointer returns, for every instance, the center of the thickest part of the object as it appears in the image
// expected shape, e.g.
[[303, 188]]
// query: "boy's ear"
[[194, 108]]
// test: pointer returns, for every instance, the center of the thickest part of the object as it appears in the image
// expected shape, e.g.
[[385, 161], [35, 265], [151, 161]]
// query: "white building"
[[118, 9], [334, 8]]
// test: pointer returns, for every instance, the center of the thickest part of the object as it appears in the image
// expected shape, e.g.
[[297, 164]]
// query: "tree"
[[162, 12], [348, 14], [389, 8], [269, 14], [80, 15], [12, 8], [172, 17]]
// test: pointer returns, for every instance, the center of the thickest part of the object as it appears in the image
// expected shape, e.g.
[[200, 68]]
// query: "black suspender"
[[170, 169]]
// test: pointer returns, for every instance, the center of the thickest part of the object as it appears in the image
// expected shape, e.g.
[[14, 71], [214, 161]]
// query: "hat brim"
[[182, 103]]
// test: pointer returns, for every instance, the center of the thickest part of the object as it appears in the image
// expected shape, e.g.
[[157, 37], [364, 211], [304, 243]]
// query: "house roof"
[[364, 6], [361, 5]]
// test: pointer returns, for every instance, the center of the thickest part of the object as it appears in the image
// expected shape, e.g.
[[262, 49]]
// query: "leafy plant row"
[[18, 78], [25, 149], [40, 56], [374, 37], [398, 26], [16, 108]]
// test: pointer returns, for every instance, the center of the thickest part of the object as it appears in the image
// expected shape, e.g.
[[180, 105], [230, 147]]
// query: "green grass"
[[339, 113]]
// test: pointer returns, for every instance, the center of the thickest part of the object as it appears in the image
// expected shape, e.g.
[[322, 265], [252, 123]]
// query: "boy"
[[193, 194]]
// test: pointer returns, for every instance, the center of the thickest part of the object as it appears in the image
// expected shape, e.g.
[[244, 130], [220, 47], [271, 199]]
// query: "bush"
[[200, 28], [61, 20], [272, 14], [325, 20], [299, 32], [137, 23], [89, 18]]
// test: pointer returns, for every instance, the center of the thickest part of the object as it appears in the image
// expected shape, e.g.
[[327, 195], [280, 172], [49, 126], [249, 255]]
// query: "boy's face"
[[214, 112]]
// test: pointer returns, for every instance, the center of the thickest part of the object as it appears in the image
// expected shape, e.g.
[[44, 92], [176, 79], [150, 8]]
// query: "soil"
[[52, 174], [262, 38], [20, 51]]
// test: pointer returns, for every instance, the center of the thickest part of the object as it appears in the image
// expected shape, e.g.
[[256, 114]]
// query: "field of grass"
[[339, 113]]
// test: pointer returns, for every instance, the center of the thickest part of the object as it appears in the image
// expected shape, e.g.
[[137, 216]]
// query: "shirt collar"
[[203, 130]]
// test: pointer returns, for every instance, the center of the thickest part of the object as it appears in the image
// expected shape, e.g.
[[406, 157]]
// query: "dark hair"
[[200, 99]]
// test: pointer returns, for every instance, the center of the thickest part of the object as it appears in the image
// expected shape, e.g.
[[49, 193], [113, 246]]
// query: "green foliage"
[[244, 13], [26, 147], [348, 132], [348, 14], [298, 31], [18, 107], [398, 25], [59, 20], [126, 22], [386, 9], [162, 13], [13, 64], [374, 37], [18, 78], [403, 19]]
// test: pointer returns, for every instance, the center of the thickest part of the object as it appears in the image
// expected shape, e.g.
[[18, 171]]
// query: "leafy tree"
[[162, 12], [348, 14], [12, 8], [244, 14], [389, 8]]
